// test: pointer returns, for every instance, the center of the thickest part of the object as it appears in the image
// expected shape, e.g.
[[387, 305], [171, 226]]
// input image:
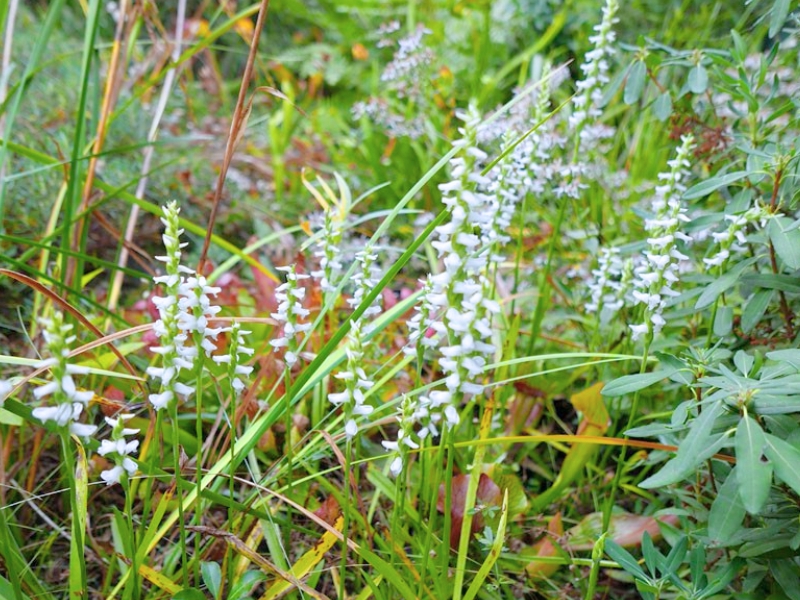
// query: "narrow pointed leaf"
[[754, 475]]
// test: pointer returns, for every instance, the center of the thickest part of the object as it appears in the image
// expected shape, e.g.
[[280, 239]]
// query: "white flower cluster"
[[405, 439], [352, 399], [587, 102], [606, 287], [184, 311], [235, 367], [120, 449], [420, 332], [409, 59], [365, 280], [733, 238], [655, 279], [459, 294], [69, 402], [290, 309], [329, 247], [396, 125]]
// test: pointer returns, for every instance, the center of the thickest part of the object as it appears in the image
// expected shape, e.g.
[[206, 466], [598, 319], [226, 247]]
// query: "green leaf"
[[727, 512], [698, 79], [744, 362], [625, 560], [771, 281], [777, 17], [785, 460], [723, 321], [189, 594], [754, 475], [787, 574], [704, 188], [785, 236], [740, 48], [755, 308], [212, 577], [650, 554], [633, 383], [637, 77], [698, 446], [720, 285], [662, 107]]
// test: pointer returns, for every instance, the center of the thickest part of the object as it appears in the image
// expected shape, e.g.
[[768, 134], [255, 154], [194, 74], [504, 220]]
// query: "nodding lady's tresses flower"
[[356, 381], [290, 310], [610, 283], [733, 238], [184, 311], [405, 441], [586, 103], [120, 449], [458, 295], [357, 384], [329, 247], [69, 402], [655, 278], [232, 359]]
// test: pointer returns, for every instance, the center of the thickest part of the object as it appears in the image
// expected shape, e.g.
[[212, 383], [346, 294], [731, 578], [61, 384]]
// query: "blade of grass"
[[72, 271], [494, 552]]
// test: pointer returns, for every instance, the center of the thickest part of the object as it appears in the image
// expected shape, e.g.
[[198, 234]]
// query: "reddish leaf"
[[626, 529], [329, 510], [488, 494], [547, 547]]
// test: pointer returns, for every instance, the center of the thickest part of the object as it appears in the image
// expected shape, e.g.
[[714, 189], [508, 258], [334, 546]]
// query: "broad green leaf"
[[788, 355], [634, 85], [698, 446], [787, 574], [744, 362], [754, 475], [785, 237], [662, 107], [721, 285], [755, 308], [772, 281], [704, 188], [212, 576], [721, 579], [698, 79], [723, 321], [777, 16], [727, 512], [628, 384], [785, 460]]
